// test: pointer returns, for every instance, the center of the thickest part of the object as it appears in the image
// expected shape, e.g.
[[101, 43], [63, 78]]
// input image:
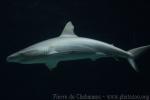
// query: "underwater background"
[[123, 23]]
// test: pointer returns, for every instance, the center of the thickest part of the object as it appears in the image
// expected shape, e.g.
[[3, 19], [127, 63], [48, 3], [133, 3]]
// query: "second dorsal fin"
[[68, 30]]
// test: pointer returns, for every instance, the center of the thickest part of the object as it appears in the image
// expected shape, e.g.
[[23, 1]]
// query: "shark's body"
[[69, 46]]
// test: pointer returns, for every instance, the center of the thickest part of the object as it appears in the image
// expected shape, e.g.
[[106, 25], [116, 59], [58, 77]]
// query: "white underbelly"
[[67, 57]]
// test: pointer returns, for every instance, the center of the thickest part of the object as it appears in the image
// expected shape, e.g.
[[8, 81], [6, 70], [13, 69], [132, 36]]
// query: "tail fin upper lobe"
[[135, 53]]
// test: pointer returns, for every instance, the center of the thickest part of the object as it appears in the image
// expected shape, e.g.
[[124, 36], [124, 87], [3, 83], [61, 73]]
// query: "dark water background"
[[122, 23]]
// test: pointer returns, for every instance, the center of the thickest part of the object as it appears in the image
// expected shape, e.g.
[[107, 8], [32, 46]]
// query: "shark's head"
[[16, 57], [27, 57]]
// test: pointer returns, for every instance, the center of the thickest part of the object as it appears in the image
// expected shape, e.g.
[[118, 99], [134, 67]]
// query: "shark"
[[68, 46]]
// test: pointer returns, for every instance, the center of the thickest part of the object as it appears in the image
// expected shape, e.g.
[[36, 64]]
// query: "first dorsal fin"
[[68, 30]]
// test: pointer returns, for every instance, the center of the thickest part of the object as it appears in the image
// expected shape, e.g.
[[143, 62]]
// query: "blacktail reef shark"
[[69, 46]]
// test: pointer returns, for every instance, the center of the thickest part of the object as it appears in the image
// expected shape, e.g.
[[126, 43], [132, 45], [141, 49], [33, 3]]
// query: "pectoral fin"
[[51, 65], [94, 58]]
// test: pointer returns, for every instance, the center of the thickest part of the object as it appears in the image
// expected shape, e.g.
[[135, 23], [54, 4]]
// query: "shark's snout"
[[13, 58], [23, 58]]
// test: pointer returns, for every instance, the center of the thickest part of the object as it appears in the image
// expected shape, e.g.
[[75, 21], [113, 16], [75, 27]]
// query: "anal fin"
[[98, 55], [116, 58]]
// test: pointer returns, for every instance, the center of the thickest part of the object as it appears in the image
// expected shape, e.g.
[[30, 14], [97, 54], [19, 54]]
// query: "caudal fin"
[[136, 53]]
